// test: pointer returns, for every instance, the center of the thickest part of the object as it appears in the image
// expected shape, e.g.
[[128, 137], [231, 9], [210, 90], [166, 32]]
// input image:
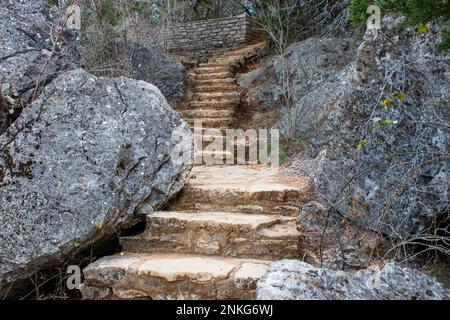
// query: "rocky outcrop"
[[375, 118], [315, 69], [28, 55], [150, 65], [296, 280], [79, 163]]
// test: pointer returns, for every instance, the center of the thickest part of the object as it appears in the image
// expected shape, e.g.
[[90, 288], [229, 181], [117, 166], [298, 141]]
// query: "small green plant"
[[361, 144], [380, 122], [265, 120], [440, 271], [418, 13], [51, 3], [290, 147], [76, 243], [396, 100], [358, 11], [98, 225]]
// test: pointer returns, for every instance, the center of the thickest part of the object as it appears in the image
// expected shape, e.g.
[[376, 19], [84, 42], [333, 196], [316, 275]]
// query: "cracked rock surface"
[[26, 45], [297, 280], [77, 165]]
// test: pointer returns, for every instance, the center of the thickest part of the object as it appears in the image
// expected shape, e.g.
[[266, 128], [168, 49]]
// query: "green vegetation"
[[440, 271], [99, 225], [51, 2], [291, 147], [418, 13]]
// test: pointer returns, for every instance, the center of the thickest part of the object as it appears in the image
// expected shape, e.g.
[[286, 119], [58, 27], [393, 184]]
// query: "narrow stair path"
[[216, 240]]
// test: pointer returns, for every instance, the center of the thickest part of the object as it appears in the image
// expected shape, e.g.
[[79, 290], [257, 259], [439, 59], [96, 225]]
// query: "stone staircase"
[[215, 92], [217, 238]]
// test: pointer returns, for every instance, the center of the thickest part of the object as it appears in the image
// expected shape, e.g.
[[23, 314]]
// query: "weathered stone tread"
[[172, 276]]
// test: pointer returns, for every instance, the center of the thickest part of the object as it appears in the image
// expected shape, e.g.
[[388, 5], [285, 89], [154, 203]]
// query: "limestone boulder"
[[79, 163]]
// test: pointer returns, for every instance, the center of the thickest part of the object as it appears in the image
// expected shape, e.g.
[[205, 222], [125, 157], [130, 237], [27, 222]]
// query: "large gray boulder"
[[78, 165], [151, 65], [297, 280], [138, 61]]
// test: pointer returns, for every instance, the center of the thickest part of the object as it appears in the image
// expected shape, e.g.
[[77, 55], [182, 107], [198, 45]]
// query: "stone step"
[[212, 113], [216, 96], [221, 123], [171, 277], [221, 63], [243, 188], [244, 52], [208, 137], [211, 64], [197, 83], [208, 105], [216, 88], [214, 137], [210, 76], [228, 61], [233, 57], [209, 141], [251, 48], [214, 157], [264, 237], [238, 54], [211, 69]]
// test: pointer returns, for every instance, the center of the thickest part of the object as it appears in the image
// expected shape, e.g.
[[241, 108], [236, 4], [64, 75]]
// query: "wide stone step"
[[232, 57], [197, 83], [213, 136], [235, 146], [210, 76], [212, 64], [221, 123], [207, 138], [246, 50], [242, 52], [171, 277], [211, 69], [216, 88], [212, 157], [212, 113], [240, 188], [208, 105], [228, 61], [216, 96], [242, 235]]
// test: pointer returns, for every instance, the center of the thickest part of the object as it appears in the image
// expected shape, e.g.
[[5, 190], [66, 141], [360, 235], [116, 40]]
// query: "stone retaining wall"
[[205, 38]]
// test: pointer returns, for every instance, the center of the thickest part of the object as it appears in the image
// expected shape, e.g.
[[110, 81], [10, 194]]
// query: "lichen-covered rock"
[[78, 165], [297, 280], [316, 68], [27, 54], [380, 113]]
